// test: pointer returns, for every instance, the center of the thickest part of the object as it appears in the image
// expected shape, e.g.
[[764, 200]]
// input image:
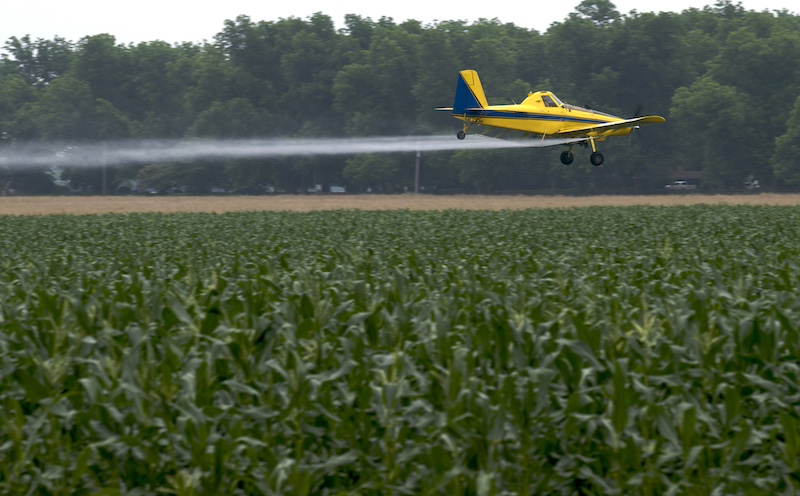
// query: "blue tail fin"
[[469, 93]]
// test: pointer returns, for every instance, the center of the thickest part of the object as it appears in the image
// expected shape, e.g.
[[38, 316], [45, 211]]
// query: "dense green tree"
[[355, 93], [64, 113], [493, 171], [600, 12], [786, 159], [251, 46], [215, 78], [765, 51], [14, 94], [104, 65], [38, 61], [160, 75], [437, 69], [718, 130], [308, 65], [373, 96], [233, 119], [236, 118], [380, 172], [493, 53], [360, 30], [727, 80], [573, 51], [646, 56], [530, 47]]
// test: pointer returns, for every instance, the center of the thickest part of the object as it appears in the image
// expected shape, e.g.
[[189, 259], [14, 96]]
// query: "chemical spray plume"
[[118, 153]]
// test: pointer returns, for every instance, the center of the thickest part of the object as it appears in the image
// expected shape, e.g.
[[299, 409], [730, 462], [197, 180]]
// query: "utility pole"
[[105, 176], [416, 175]]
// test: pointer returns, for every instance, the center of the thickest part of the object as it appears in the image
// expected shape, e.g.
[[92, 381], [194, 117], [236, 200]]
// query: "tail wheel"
[[461, 135], [567, 158], [597, 159]]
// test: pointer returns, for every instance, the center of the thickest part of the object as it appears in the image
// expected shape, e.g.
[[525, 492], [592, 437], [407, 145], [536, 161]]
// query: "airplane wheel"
[[461, 135], [567, 158], [597, 159]]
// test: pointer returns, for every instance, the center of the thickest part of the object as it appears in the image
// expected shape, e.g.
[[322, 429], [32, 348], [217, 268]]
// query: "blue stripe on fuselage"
[[495, 114]]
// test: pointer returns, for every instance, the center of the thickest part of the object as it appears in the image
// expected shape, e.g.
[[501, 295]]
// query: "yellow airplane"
[[542, 116]]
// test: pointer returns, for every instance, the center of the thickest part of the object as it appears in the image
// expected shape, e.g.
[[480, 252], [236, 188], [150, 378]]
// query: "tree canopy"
[[727, 80]]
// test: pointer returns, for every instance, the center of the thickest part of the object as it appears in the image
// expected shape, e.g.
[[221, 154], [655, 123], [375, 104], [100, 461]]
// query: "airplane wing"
[[541, 143], [530, 140], [611, 126]]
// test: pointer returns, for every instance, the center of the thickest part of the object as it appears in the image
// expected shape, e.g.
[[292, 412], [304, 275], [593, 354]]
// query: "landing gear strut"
[[463, 133], [596, 158]]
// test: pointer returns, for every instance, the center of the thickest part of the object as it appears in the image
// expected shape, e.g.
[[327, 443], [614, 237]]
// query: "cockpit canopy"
[[543, 99], [547, 99]]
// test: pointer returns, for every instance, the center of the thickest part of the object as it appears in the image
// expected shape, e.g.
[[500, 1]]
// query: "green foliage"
[[14, 94], [587, 351], [235, 118], [380, 170], [104, 66], [39, 62], [302, 77], [724, 146], [66, 113], [786, 160], [600, 12]]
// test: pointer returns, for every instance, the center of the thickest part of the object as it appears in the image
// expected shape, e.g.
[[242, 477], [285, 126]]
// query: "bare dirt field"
[[82, 205]]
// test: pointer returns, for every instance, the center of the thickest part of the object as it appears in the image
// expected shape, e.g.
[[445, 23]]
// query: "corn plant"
[[636, 350]]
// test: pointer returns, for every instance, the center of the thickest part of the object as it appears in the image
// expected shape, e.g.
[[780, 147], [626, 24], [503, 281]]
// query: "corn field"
[[629, 350]]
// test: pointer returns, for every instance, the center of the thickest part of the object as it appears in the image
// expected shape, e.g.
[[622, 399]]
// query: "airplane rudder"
[[469, 92], [461, 102], [474, 82]]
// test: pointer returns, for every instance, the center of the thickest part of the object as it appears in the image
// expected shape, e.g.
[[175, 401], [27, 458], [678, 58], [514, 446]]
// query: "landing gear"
[[596, 158], [467, 124]]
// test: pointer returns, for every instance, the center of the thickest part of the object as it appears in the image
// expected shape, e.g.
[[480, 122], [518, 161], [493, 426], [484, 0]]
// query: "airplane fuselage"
[[541, 113]]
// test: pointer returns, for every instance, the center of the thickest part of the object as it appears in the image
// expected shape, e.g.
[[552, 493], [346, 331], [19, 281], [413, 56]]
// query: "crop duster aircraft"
[[541, 116]]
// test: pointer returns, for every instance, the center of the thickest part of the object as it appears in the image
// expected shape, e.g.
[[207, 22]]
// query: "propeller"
[[636, 113]]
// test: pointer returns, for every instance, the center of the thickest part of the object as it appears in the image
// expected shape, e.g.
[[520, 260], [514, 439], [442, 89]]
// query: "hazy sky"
[[183, 20]]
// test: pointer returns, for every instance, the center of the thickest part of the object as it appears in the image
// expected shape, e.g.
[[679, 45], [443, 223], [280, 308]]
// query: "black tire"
[[461, 135], [597, 159], [567, 158]]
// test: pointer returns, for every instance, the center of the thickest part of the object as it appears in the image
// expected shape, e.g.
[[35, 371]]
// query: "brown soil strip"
[[80, 205]]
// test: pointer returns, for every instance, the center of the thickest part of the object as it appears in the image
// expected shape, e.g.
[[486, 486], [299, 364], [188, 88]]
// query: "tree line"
[[727, 79]]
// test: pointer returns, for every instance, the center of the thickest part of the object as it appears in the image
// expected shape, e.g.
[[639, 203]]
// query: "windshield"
[[587, 109]]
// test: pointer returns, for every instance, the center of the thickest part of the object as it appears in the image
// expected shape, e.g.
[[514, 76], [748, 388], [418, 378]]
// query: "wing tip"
[[652, 119]]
